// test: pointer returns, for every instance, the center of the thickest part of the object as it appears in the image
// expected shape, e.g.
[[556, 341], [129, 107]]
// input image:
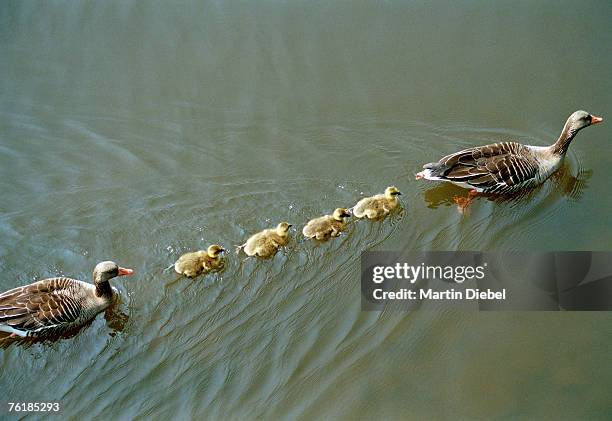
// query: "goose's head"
[[108, 270], [581, 119], [215, 251], [391, 192], [283, 228], [340, 213]]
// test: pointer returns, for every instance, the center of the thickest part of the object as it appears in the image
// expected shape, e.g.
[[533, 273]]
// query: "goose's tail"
[[431, 171]]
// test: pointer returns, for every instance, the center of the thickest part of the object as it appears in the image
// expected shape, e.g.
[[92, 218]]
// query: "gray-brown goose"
[[507, 167], [57, 304]]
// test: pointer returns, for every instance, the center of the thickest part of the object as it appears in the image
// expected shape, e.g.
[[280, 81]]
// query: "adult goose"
[[57, 304], [506, 167]]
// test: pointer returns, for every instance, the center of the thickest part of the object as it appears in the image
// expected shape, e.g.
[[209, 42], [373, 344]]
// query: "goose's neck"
[[562, 144], [104, 289]]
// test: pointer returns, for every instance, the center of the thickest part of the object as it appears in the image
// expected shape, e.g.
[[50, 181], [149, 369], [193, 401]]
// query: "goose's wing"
[[39, 306], [496, 167]]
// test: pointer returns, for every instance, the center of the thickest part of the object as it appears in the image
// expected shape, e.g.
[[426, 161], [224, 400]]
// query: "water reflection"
[[563, 182], [115, 318], [144, 130], [570, 186]]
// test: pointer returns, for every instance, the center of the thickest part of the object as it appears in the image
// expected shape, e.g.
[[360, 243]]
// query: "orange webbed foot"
[[464, 202]]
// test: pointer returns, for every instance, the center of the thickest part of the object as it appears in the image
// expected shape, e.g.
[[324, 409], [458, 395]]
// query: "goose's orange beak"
[[595, 119], [125, 271]]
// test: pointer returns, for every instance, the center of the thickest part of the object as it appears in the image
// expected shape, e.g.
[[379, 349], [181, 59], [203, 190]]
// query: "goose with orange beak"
[[59, 304], [505, 167]]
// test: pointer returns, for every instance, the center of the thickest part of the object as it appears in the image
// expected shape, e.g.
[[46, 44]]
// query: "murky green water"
[[135, 131]]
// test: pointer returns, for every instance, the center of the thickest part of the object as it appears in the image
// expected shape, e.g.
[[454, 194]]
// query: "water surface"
[[137, 131]]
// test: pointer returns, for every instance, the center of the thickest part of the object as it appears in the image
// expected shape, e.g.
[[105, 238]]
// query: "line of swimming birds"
[[266, 243], [61, 304]]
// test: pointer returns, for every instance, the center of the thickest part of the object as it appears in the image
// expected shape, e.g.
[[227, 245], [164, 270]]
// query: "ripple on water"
[[258, 334]]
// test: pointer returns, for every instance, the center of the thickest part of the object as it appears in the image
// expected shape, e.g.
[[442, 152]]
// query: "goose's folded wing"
[[500, 164], [41, 305], [474, 157]]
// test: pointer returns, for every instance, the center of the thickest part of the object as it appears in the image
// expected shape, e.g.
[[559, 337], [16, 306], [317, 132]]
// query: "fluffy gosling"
[[198, 262], [266, 243], [325, 227], [379, 206]]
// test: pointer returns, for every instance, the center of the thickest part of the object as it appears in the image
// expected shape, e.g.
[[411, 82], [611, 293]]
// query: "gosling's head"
[[391, 192], [340, 213], [215, 251], [108, 270], [283, 228], [581, 119]]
